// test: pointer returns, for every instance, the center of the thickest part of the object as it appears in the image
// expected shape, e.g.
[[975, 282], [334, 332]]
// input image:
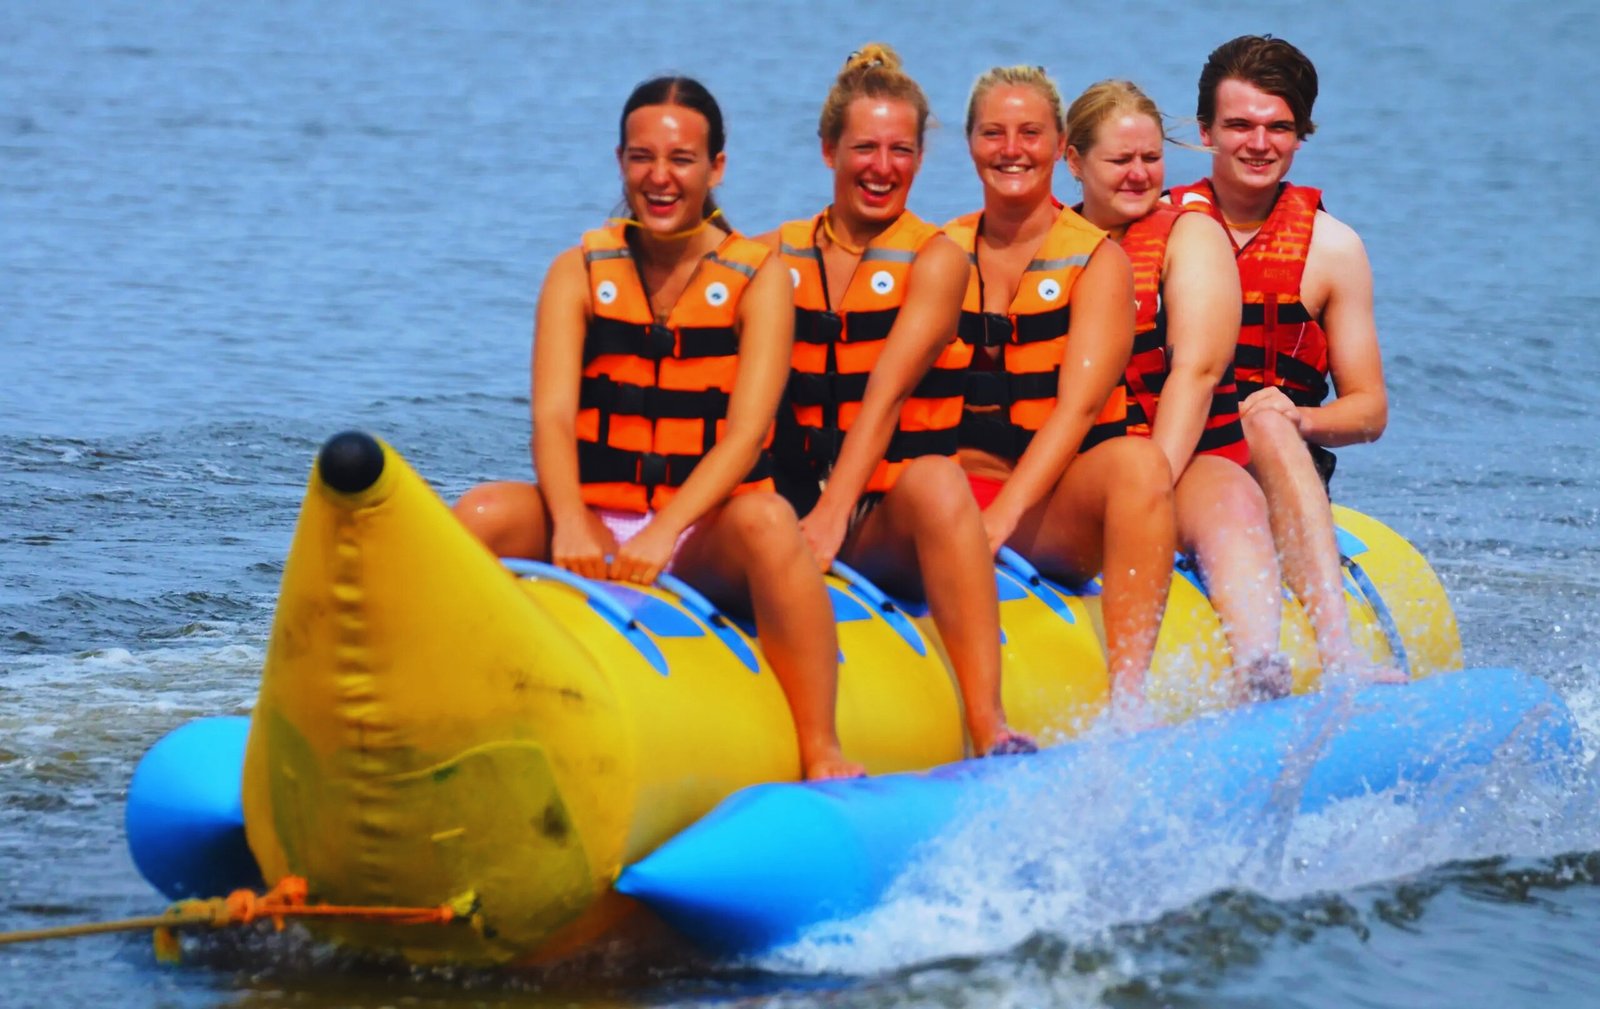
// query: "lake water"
[[228, 231]]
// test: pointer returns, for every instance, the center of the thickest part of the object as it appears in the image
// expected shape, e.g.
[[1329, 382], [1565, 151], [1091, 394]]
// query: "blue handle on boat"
[[603, 603], [878, 600], [707, 611], [1017, 565]]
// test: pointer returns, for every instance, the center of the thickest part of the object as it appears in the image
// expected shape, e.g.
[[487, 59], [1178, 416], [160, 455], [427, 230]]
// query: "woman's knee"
[[1215, 491], [761, 522], [1141, 477], [935, 493], [504, 515], [1271, 435]]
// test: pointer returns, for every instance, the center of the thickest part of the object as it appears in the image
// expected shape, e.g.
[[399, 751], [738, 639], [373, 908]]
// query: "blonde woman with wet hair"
[[1182, 390], [1048, 313]]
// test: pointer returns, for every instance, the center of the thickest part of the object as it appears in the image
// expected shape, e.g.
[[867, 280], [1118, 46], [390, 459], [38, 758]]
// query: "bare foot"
[[1009, 742], [1266, 679], [831, 766], [1357, 671]]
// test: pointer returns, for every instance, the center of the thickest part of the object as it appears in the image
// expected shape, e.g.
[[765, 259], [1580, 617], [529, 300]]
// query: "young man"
[[1307, 317]]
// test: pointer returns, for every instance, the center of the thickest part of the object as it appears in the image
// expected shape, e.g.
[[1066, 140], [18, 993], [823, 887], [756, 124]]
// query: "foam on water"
[[1107, 850]]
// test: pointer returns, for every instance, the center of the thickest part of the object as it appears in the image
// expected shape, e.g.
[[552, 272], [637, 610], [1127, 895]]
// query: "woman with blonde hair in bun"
[[866, 449], [1048, 312], [1183, 394]]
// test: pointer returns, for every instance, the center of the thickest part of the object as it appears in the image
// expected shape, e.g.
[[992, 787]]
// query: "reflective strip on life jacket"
[[837, 346], [653, 398], [1008, 398]]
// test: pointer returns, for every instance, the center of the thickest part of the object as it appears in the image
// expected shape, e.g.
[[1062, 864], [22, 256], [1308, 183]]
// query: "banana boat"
[[436, 726]]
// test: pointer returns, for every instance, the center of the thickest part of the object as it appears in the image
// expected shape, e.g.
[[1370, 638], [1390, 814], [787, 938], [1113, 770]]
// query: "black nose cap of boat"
[[350, 462]]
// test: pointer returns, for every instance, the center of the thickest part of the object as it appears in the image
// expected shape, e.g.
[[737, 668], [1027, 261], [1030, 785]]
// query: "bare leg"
[[1112, 510], [749, 556], [1222, 521], [929, 524], [1302, 526], [509, 517]]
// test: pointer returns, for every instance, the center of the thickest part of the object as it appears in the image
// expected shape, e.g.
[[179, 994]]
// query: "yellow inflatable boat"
[[438, 727]]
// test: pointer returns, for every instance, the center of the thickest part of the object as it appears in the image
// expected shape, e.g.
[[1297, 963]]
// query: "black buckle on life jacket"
[[652, 469], [659, 342], [822, 446], [997, 329], [826, 327], [988, 388]]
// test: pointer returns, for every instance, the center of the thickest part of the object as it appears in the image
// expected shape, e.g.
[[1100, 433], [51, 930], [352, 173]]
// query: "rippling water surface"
[[231, 232]]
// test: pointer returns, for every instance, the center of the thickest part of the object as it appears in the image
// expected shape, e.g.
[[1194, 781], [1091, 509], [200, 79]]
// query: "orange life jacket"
[[1146, 245], [837, 346], [1280, 344], [1020, 387], [654, 397]]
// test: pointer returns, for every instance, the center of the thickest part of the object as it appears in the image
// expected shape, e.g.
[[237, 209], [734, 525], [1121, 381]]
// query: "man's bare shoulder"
[[1335, 238]]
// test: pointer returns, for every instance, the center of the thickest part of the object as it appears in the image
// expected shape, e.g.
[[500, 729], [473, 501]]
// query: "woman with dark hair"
[[661, 347]]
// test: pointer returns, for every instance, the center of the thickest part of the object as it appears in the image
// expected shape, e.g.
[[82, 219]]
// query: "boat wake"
[[1108, 863]]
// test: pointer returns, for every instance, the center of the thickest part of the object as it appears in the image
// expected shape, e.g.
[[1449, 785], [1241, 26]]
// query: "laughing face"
[[667, 168], [874, 160], [1015, 142], [1253, 137]]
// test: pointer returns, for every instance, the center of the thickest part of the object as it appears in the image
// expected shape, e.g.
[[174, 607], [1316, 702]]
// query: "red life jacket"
[[1031, 339], [837, 346], [653, 398], [1146, 245], [1280, 344]]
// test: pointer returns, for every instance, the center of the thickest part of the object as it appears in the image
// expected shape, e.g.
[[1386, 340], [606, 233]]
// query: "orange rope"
[[241, 907], [288, 900]]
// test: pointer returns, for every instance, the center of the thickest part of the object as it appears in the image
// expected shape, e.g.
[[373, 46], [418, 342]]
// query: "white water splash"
[[1106, 849]]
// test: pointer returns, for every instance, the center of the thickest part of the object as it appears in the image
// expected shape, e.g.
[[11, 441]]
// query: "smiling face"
[[1015, 143], [667, 168], [874, 160], [1123, 171], [1253, 137]]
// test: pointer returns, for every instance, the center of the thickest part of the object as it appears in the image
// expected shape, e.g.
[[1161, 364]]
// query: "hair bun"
[[871, 55]]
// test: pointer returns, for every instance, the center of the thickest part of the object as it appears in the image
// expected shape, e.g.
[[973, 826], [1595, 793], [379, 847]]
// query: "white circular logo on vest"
[[1189, 198], [883, 282], [794, 275], [1049, 289], [716, 294], [605, 292]]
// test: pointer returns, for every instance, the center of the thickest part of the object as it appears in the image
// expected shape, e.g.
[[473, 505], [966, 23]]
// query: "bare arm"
[[1099, 344], [559, 327], [924, 327], [1338, 260], [1200, 285]]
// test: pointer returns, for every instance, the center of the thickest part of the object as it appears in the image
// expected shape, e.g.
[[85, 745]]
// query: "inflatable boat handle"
[[880, 601], [1018, 566], [602, 601], [714, 618]]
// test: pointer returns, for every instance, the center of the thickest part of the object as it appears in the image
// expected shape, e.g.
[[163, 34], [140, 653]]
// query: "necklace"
[[827, 229], [674, 235], [1244, 225]]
